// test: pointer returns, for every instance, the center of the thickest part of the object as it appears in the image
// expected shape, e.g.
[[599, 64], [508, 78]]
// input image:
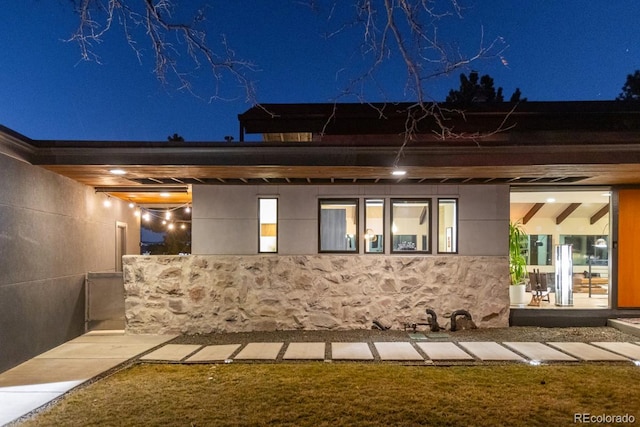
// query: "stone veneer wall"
[[223, 293]]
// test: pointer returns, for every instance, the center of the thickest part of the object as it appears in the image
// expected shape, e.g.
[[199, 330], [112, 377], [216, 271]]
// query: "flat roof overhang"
[[551, 144]]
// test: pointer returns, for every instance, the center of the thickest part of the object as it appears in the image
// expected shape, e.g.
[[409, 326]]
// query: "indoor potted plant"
[[517, 263]]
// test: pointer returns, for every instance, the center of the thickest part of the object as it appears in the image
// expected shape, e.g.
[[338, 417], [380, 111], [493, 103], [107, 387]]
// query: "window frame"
[[384, 226], [260, 251], [429, 203], [456, 226], [338, 200]]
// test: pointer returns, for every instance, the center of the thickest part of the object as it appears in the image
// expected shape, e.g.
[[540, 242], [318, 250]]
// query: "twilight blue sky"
[[557, 50]]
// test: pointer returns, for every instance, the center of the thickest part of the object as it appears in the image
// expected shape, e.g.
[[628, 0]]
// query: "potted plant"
[[517, 263]]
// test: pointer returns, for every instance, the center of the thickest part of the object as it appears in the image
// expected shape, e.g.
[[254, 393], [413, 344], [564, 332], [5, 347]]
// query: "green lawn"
[[334, 394]]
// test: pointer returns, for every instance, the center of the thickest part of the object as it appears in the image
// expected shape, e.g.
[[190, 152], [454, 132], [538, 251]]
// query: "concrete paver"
[[624, 348], [585, 351], [444, 351], [214, 353], [539, 351], [171, 352], [260, 351], [397, 351], [350, 351], [305, 351], [95, 351], [490, 351]]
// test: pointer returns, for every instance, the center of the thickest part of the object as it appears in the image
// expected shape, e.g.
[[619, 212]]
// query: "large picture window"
[[374, 226], [410, 225], [268, 234], [447, 225], [338, 225]]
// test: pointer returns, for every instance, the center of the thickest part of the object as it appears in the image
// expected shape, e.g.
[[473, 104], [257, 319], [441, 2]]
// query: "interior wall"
[[225, 218], [52, 232]]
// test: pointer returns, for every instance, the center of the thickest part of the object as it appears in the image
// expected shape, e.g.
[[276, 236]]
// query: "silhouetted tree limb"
[[631, 88]]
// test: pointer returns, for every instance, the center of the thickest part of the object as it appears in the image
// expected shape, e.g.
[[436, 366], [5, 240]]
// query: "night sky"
[[557, 50]]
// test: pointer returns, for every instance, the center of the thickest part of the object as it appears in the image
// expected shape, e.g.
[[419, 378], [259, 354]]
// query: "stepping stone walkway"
[[625, 348], [489, 351], [350, 351], [305, 351], [260, 351], [214, 353], [587, 352], [444, 351], [539, 351], [397, 351], [171, 352]]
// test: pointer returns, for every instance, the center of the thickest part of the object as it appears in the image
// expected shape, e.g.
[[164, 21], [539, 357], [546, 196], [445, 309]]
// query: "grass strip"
[[321, 394]]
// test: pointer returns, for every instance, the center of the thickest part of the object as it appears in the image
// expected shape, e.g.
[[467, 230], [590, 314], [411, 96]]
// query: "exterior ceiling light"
[[118, 171], [399, 172]]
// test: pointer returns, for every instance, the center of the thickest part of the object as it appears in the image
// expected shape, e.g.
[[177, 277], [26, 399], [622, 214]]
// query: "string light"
[[107, 202]]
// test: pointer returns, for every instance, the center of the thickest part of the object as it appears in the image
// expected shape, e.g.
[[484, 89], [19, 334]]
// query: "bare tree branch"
[[170, 42]]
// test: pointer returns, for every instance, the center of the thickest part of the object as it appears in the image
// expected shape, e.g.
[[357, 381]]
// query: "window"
[[447, 225], [410, 230], [374, 226], [268, 214], [540, 249], [338, 225], [587, 248]]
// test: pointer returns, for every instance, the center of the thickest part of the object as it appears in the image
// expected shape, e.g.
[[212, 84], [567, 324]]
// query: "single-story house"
[[313, 227]]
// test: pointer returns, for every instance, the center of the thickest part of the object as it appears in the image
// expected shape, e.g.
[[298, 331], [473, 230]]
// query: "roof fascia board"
[[15, 145]]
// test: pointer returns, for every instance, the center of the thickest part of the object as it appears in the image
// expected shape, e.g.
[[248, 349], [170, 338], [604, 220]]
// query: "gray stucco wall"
[[225, 218], [52, 232]]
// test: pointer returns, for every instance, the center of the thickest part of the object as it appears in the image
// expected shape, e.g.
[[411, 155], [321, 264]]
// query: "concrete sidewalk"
[[49, 375], [54, 373]]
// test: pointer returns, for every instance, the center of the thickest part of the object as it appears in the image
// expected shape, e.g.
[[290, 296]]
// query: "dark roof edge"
[[16, 145], [352, 118]]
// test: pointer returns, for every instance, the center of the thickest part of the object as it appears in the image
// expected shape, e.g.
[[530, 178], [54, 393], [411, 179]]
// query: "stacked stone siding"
[[221, 293]]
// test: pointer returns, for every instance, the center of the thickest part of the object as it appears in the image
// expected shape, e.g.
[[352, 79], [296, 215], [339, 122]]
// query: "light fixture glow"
[[398, 172], [167, 215], [165, 194], [146, 216], [118, 171], [534, 362], [136, 212], [600, 243], [132, 205], [183, 226], [551, 200], [164, 222], [107, 202], [187, 209], [171, 226]]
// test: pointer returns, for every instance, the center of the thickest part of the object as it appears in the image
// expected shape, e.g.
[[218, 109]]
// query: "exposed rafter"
[[532, 212], [565, 213], [598, 215]]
